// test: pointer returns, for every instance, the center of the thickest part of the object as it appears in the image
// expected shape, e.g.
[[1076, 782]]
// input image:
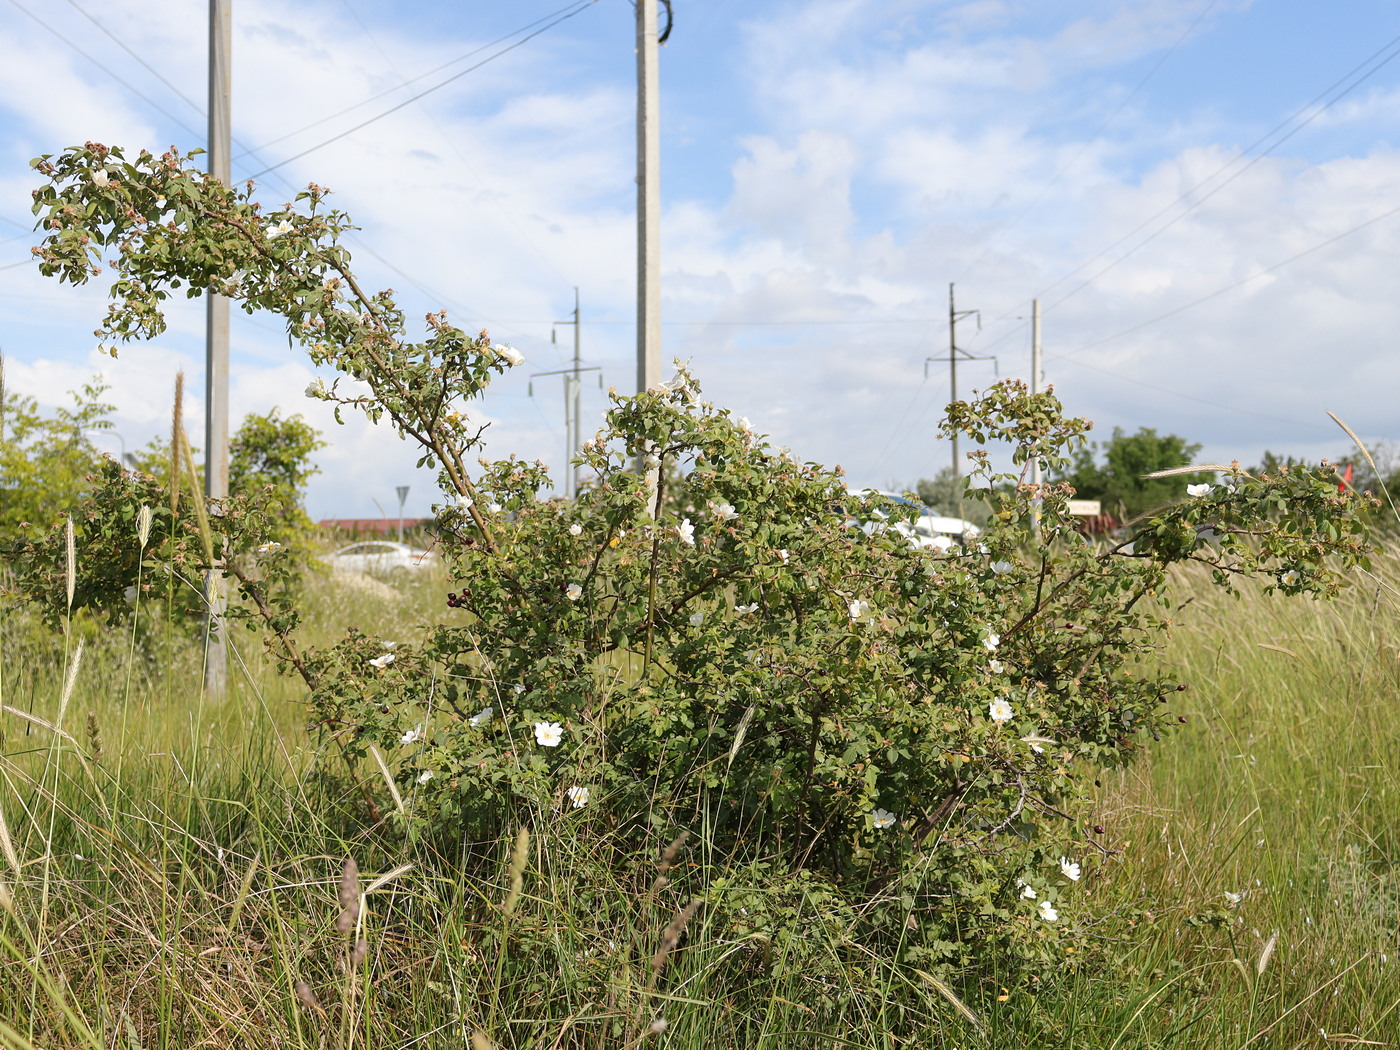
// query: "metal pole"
[[576, 434], [1035, 374], [216, 340], [570, 381], [953, 369], [648, 201]]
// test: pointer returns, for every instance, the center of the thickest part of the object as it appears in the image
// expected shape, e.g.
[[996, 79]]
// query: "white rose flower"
[[509, 354], [548, 734]]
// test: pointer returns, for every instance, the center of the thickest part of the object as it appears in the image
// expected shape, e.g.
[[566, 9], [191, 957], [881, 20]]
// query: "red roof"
[[372, 526]]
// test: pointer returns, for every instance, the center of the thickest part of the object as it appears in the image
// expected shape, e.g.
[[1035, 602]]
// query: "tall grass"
[[172, 879]]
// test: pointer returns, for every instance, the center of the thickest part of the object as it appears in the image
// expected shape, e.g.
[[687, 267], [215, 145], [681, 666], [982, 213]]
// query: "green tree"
[[1114, 471], [46, 459], [270, 460]]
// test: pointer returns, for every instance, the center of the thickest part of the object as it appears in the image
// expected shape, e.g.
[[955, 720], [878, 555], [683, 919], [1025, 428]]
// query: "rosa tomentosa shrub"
[[910, 730]]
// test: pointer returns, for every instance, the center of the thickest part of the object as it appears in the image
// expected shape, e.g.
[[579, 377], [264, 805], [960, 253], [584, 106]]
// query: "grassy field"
[[172, 879]]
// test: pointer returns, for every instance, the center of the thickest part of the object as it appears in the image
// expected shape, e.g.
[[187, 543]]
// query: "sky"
[[1202, 194]]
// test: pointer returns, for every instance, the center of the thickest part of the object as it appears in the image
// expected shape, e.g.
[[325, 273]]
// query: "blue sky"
[[1214, 258]]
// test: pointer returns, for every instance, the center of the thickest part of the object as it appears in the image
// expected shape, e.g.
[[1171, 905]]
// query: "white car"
[[927, 530], [381, 558], [940, 532]]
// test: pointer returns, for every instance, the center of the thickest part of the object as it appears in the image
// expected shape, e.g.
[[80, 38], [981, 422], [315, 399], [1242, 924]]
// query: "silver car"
[[381, 558]]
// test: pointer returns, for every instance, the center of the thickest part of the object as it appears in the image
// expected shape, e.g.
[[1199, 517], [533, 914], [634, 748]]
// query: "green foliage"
[[137, 553], [946, 493], [895, 741], [270, 462], [1120, 480], [45, 460]]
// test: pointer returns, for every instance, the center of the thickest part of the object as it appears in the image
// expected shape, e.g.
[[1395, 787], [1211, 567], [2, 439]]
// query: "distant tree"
[[271, 456], [1272, 463], [946, 493], [45, 459], [1377, 468], [268, 456], [1113, 471]]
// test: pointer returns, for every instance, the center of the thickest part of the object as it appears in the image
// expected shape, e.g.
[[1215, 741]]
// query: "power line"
[[420, 76], [1232, 408], [744, 324], [136, 55], [102, 66], [421, 94], [358, 242], [1054, 179], [451, 142], [1321, 107], [1232, 286]]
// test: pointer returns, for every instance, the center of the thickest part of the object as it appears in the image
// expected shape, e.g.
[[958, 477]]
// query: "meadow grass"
[[172, 878]]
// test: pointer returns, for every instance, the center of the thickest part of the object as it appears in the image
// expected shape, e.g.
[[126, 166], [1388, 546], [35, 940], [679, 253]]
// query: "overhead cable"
[[414, 98]]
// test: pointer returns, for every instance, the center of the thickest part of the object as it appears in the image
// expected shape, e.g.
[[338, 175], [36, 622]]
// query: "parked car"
[[942, 532], [927, 530], [381, 558]]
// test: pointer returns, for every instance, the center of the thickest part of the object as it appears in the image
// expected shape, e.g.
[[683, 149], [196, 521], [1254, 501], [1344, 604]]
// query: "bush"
[[895, 743]]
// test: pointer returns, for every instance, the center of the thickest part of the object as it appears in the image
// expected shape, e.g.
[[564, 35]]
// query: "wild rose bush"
[[900, 738]]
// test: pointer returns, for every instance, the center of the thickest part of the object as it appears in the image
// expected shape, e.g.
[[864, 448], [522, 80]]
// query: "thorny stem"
[[655, 557]]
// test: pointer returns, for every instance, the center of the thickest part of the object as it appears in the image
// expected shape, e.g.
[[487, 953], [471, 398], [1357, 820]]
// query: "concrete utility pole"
[[1035, 374], [216, 332], [648, 200], [572, 429]]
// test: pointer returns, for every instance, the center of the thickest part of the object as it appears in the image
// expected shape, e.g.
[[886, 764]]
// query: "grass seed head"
[[1267, 953], [672, 935], [349, 897], [94, 733], [517, 870], [70, 576]]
